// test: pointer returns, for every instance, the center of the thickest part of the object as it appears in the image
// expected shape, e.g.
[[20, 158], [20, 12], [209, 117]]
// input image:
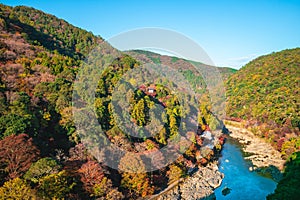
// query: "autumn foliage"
[[40, 150], [17, 153], [91, 173], [16, 189]]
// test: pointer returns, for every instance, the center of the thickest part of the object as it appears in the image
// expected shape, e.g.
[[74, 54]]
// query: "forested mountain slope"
[[48, 31], [266, 93], [40, 56], [267, 88], [189, 71]]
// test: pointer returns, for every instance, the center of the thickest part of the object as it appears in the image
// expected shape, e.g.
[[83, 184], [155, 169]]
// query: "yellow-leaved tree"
[[134, 176], [16, 189]]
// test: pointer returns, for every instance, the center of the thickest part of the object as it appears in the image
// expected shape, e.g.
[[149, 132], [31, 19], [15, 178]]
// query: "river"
[[244, 185]]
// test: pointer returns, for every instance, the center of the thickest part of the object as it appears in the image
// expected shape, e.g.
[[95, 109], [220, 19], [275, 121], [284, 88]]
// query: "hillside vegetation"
[[266, 93], [288, 187], [267, 89], [39, 28], [189, 69], [41, 155]]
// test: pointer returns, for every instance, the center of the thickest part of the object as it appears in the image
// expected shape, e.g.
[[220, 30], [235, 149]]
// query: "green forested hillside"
[[267, 89], [185, 66], [41, 155], [266, 93], [39, 28]]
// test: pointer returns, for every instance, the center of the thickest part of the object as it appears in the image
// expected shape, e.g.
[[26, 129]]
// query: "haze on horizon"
[[232, 32]]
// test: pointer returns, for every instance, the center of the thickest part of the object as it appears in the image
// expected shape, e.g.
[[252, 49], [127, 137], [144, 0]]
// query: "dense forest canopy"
[[40, 56], [267, 88], [265, 92]]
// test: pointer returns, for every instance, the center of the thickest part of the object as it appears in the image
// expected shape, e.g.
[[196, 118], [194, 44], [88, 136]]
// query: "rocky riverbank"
[[200, 185], [261, 153]]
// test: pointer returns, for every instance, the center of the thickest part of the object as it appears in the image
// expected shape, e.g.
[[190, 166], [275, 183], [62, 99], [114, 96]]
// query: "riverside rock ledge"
[[199, 186], [262, 154]]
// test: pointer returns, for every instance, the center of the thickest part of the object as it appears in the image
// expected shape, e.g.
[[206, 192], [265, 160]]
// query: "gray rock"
[[200, 186]]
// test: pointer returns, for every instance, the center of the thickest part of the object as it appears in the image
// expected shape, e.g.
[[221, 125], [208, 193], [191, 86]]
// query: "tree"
[[138, 113], [134, 177], [114, 194], [91, 174], [161, 137], [13, 124], [21, 106], [173, 125], [79, 152], [67, 122], [288, 186], [100, 189], [174, 173], [3, 100], [156, 156], [16, 189], [56, 186], [41, 168], [17, 153]]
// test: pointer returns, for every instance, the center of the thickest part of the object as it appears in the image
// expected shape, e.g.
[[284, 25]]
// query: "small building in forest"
[[151, 90]]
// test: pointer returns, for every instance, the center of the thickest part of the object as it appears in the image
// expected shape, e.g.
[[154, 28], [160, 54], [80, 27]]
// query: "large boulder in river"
[[226, 191]]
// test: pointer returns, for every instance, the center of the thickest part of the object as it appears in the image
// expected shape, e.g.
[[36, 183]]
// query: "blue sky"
[[232, 32]]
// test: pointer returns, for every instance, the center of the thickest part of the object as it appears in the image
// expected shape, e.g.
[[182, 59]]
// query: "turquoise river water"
[[244, 185]]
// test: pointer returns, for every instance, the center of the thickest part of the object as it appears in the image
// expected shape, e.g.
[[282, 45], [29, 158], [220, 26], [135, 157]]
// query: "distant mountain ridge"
[[178, 63]]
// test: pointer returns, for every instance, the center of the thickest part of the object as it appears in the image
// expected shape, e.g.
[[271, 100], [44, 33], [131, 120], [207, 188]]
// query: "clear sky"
[[232, 32]]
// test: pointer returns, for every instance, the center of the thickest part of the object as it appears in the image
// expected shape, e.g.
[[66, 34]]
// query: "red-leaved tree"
[[91, 174], [17, 153]]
